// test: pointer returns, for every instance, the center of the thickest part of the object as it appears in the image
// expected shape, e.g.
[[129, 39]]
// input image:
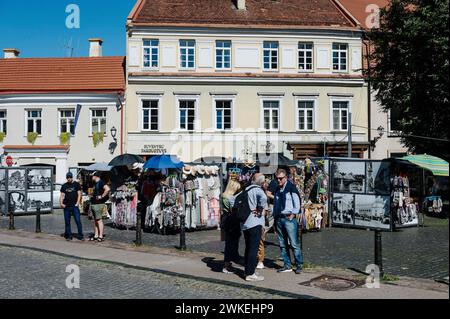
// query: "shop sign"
[[154, 149]]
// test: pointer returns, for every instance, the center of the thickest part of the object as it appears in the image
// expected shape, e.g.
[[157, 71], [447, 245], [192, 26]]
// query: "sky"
[[38, 28]]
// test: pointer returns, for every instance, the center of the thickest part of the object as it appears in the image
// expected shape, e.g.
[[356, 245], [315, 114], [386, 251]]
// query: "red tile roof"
[[57, 75], [223, 13], [358, 9]]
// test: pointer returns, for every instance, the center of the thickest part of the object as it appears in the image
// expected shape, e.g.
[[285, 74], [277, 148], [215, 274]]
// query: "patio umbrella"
[[163, 162], [436, 165], [99, 167], [126, 160]]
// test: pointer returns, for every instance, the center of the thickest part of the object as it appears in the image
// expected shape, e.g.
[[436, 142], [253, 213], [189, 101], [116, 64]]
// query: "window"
[[306, 115], [223, 54], [151, 53], [340, 115], [3, 126], [34, 121], [270, 55], [187, 115], [394, 117], [98, 121], [271, 115], [223, 114], [150, 111], [339, 57], [187, 54], [305, 56], [67, 121]]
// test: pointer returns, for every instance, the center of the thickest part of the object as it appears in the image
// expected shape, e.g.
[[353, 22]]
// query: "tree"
[[411, 71]]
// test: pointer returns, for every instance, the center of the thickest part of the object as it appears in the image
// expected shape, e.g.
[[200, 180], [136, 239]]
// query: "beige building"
[[49, 97], [235, 78]]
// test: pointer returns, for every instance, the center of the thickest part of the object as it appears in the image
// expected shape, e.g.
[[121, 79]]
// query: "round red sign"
[[9, 161]]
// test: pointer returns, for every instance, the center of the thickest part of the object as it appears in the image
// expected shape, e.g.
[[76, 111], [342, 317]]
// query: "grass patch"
[[390, 278]]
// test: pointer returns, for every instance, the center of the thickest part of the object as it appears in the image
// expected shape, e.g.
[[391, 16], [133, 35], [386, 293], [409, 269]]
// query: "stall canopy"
[[436, 165], [274, 159], [163, 162], [99, 167], [126, 160]]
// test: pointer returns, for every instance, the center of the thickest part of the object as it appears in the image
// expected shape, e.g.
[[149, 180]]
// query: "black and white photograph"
[[378, 178], [16, 179], [40, 179], [372, 211], [406, 215], [349, 177], [3, 211], [343, 209], [17, 202], [2, 179], [33, 198]]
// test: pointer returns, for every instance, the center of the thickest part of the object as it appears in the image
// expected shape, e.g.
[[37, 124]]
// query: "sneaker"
[[298, 271], [260, 265], [69, 238], [254, 277], [228, 271], [81, 238], [284, 269]]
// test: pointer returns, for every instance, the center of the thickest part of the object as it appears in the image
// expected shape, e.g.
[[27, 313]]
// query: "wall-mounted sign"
[[154, 149]]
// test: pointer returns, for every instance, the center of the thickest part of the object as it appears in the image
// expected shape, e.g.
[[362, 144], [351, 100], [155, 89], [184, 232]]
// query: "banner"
[[77, 116]]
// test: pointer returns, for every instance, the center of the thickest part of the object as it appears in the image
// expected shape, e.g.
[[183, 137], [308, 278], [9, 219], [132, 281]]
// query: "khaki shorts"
[[97, 211]]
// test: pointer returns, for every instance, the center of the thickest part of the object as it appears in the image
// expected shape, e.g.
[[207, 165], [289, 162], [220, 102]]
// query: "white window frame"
[[340, 51], [349, 113], [26, 120], [271, 50], [223, 49], [305, 52], [187, 54], [4, 122], [391, 132], [232, 99], [280, 113], [60, 118], [315, 113], [91, 118], [151, 47], [142, 99], [194, 98]]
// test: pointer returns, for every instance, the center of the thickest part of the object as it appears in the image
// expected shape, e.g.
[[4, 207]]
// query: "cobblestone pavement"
[[39, 275], [415, 252]]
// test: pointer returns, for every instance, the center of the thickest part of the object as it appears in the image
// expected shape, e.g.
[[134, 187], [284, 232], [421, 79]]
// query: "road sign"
[[9, 161]]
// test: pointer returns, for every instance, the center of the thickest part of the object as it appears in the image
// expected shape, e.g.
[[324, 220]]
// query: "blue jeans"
[[75, 211], [287, 230]]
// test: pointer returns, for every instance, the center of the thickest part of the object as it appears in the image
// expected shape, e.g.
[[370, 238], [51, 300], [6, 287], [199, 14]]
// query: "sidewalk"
[[207, 267]]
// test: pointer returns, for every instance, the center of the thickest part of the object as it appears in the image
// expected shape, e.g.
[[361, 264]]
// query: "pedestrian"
[[252, 202], [231, 227], [268, 224], [286, 207], [70, 201], [98, 200]]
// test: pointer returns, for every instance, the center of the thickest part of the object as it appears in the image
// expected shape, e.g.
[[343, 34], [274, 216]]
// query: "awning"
[[436, 165]]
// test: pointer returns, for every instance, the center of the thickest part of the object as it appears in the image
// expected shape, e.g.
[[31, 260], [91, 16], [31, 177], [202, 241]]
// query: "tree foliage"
[[411, 71]]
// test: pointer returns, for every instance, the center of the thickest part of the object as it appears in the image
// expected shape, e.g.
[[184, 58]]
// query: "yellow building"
[[234, 78]]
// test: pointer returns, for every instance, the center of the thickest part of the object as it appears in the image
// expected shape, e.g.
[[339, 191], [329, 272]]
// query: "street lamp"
[[114, 133], [113, 145]]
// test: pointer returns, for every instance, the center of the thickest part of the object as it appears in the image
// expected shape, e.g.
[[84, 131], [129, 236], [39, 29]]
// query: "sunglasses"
[[281, 178]]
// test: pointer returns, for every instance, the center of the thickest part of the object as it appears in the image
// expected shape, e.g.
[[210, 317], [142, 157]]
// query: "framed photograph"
[[45, 198], [343, 209], [16, 179], [372, 212], [3, 206], [39, 179], [378, 177], [2, 179], [17, 202], [349, 176]]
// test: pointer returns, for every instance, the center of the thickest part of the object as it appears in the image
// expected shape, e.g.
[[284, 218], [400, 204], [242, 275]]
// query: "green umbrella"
[[436, 165]]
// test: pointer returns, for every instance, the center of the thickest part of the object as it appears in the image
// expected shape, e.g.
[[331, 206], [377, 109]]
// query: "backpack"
[[241, 208]]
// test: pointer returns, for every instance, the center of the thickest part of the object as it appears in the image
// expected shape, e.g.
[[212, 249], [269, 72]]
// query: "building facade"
[[235, 78], [51, 108]]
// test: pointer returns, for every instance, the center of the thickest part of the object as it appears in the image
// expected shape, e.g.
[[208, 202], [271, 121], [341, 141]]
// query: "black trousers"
[[232, 245], [252, 238]]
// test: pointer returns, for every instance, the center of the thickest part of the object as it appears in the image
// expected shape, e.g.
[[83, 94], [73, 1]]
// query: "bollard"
[[38, 217], [139, 228], [11, 214], [378, 252], [183, 232]]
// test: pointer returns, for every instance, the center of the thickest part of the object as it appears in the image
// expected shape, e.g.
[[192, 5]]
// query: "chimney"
[[95, 49], [11, 53], [240, 4]]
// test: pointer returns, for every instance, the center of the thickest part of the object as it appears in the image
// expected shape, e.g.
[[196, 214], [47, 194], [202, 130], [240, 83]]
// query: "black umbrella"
[[126, 160]]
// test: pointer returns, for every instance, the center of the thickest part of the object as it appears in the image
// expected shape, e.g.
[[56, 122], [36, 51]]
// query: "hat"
[[69, 175], [96, 174], [201, 169], [187, 170], [214, 170]]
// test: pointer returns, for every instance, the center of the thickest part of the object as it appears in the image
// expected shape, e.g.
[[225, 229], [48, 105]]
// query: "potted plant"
[[64, 138], [31, 137], [2, 136], [97, 138]]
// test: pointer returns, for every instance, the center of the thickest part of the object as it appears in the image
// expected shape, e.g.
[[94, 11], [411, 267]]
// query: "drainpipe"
[[369, 92]]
